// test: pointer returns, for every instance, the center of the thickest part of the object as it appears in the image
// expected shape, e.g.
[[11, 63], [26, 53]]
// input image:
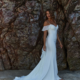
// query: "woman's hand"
[[44, 48], [61, 45]]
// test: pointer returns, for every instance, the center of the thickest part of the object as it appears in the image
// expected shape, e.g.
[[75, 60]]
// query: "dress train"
[[47, 68]]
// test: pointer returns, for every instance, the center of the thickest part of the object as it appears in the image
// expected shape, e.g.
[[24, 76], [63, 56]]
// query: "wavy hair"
[[51, 14]]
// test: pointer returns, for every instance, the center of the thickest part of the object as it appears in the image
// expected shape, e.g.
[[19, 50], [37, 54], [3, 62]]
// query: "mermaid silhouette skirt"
[[47, 68]]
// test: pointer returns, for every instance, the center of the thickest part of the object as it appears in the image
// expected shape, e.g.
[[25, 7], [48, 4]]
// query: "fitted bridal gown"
[[47, 68]]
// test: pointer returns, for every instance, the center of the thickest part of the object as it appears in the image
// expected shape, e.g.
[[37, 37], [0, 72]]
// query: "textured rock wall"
[[71, 10], [21, 40], [20, 33]]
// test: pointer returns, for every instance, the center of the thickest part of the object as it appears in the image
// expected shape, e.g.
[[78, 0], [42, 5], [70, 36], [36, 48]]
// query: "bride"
[[47, 68]]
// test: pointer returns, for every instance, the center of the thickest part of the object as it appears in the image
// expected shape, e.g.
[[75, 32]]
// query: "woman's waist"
[[51, 38]]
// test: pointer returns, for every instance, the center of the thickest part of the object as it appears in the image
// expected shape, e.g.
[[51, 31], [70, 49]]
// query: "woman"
[[46, 69]]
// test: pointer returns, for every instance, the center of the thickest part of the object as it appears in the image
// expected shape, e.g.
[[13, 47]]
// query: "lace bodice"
[[48, 27], [52, 31]]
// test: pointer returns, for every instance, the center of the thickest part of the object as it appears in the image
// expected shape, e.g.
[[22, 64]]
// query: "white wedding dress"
[[47, 68]]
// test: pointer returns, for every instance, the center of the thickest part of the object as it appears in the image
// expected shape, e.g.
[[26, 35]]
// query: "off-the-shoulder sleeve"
[[45, 28]]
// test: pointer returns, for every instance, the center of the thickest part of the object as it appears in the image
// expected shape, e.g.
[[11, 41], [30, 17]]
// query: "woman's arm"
[[59, 41], [44, 36]]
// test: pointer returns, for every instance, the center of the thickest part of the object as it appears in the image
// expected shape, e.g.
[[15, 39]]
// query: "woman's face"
[[48, 14]]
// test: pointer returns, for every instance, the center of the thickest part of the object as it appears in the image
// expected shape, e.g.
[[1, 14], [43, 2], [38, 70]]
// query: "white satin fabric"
[[47, 68]]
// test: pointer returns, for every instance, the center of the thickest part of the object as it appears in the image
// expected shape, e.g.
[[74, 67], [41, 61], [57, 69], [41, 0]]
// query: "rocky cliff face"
[[71, 10], [21, 40]]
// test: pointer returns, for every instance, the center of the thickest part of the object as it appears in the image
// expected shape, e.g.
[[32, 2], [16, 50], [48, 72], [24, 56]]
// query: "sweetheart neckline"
[[53, 25]]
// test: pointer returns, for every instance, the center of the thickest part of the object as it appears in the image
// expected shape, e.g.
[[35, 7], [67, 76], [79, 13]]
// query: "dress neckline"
[[52, 24]]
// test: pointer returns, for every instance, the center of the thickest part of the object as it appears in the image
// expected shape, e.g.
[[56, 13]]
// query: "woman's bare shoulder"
[[46, 23], [45, 26]]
